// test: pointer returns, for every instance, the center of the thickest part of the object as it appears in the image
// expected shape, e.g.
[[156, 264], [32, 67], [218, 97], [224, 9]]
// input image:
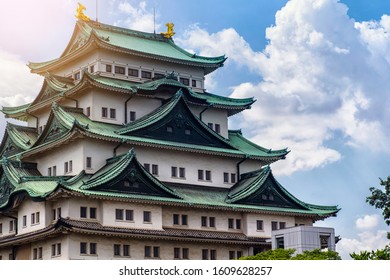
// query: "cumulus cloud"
[[369, 237], [12, 71], [138, 17], [367, 222], [321, 74]]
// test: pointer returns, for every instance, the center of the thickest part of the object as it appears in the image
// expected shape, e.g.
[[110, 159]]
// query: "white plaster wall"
[[213, 115], [5, 221], [76, 203], [250, 227], [142, 106], [165, 159], [46, 248], [27, 208], [194, 218], [76, 151], [105, 247], [77, 65], [108, 218]]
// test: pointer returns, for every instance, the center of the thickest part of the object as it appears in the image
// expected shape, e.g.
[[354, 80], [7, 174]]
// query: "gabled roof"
[[56, 88], [260, 188], [184, 126], [123, 174], [18, 178], [142, 44], [17, 139]]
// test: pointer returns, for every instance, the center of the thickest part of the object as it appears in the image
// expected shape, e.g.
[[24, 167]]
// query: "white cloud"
[[369, 237], [138, 17], [321, 74], [367, 222], [12, 71]]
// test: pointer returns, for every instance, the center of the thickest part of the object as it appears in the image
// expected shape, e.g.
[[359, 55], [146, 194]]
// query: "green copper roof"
[[17, 112], [261, 188], [124, 177], [137, 43], [17, 138]]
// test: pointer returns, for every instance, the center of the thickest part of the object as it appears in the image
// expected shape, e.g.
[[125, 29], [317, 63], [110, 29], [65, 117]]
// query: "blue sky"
[[318, 68]]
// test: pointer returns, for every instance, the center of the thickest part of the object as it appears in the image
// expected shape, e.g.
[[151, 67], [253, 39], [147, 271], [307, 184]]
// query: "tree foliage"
[[381, 199], [380, 254], [287, 254]]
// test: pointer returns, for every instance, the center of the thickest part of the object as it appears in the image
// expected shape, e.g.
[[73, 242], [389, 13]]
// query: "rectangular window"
[[210, 125], [233, 178], [112, 113], [182, 172], [83, 247], [104, 112], [184, 220], [154, 169], [204, 221], [119, 70], [148, 251], [133, 72], [92, 248], [176, 253], [77, 76], [147, 216], [12, 226], [83, 212], [49, 171], [193, 83], [108, 68], [217, 128], [200, 174], [225, 177], [54, 170], [24, 221], [92, 69], [156, 252], [88, 111], [66, 167], [56, 213], [129, 215], [88, 163], [119, 214], [126, 250], [117, 249], [239, 254], [1, 228], [238, 224], [232, 255], [282, 225], [208, 175], [259, 224], [35, 253], [213, 254], [158, 76], [185, 253], [146, 74], [70, 166], [132, 116], [205, 254], [212, 221], [33, 218], [92, 213], [185, 81], [176, 219], [147, 166], [231, 223], [274, 225], [174, 171]]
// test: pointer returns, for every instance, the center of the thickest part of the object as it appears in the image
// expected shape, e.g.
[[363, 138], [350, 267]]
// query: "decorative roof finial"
[[80, 13], [169, 33]]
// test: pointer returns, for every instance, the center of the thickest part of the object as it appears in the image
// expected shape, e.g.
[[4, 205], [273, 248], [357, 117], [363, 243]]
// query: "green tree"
[[380, 254], [317, 254], [286, 254], [381, 199]]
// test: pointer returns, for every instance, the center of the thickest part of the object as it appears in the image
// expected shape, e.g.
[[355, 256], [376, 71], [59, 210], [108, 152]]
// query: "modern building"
[[126, 155]]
